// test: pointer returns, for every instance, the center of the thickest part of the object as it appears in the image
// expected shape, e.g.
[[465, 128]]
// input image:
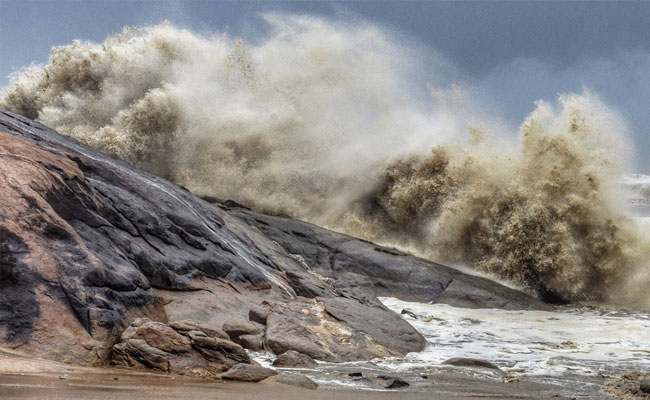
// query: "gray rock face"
[[89, 244], [360, 269], [293, 359], [248, 373]]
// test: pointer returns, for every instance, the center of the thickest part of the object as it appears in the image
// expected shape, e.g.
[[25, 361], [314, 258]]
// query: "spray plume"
[[318, 121]]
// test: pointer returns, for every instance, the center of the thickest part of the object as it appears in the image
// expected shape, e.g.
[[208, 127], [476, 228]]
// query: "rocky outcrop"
[[89, 245], [154, 345], [360, 269]]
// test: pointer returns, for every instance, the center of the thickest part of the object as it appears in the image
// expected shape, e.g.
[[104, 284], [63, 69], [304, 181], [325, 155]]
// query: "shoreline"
[[26, 378]]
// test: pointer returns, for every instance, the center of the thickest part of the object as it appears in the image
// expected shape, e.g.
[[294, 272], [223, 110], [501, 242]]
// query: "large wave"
[[320, 120]]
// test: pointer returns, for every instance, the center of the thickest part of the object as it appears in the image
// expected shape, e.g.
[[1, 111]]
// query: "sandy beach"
[[25, 378]]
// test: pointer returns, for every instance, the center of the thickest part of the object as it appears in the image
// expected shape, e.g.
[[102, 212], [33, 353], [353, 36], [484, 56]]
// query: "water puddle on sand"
[[577, 342]]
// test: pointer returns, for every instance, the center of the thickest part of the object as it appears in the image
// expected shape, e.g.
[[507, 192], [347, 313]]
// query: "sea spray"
[[319, 121]]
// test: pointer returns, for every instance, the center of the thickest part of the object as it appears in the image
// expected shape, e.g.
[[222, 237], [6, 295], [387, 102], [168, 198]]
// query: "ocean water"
[[542, 343], [568, 346]]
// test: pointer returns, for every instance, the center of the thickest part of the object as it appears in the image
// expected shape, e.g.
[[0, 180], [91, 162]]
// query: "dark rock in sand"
[[645, 386], [248, 373], [396, 383], [293, 359], [471, 363], [89, 244], [355, 374], [292, 380]]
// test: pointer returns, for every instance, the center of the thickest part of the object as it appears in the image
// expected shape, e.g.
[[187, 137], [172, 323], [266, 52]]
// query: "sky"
[[513, 53]]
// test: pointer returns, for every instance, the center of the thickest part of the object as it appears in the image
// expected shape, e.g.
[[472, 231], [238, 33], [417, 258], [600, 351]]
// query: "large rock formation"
[[88, 245]]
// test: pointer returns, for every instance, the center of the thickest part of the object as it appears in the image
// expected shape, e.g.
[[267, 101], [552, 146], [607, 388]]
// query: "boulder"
[[645, 387], [471, 363], [237, 328], [259, 314], [248, 373], [293, 359], [395, 383], [155, 345], [218, 350], [305, 325], [300, 381], [251, 342]]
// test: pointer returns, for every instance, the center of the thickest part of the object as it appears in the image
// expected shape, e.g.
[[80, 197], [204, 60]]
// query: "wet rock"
[[248, 373], [471, 363], [292, 380], [321, 329], [380, 271], [259, 314], [237, 328], [631, 385], [396, 383], [293, 359], [382, 381], [645, 386], [251, 342]]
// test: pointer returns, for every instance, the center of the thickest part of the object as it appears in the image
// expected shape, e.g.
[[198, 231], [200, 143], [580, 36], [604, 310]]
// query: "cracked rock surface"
[[94, 253]]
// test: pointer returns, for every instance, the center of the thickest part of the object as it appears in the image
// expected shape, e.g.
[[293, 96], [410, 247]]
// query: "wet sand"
[[23, 378]]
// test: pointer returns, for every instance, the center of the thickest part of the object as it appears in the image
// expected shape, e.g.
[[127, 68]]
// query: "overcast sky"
[[513, 52]]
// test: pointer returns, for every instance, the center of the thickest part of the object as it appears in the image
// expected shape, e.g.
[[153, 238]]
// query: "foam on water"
[[544, 343]]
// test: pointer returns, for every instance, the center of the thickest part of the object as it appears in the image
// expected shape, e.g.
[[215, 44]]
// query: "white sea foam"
[[528, 342]]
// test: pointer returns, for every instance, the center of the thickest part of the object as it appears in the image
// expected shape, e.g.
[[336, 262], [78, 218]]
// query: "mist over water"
[[324, 121]]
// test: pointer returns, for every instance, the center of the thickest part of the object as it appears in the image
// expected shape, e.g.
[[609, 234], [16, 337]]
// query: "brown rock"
[[148, 344], [162, 337], [188, 325], [259, 314], [292, 380], [237, 328], [248, 373], [218, 350], [137, 353], [305, 326], [471, 363], [294, 359], [251, 342]]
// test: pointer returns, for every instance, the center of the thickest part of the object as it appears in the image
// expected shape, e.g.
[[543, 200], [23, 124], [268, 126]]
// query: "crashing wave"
[[318, 121]]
